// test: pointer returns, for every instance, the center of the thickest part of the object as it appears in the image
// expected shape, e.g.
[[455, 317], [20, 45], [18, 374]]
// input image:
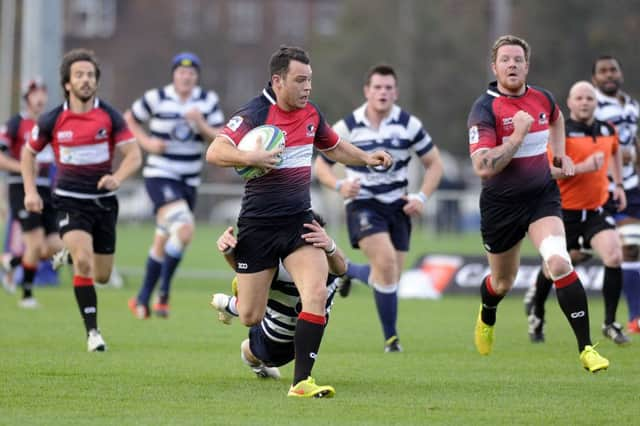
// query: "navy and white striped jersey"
[[164, 111], [624, 116], [400, 134], [283, 306]]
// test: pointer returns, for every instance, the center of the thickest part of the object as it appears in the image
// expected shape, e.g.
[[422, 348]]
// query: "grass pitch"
[[187, 370]]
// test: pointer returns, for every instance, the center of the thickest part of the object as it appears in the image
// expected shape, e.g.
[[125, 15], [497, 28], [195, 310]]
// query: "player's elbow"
[[213, 155]]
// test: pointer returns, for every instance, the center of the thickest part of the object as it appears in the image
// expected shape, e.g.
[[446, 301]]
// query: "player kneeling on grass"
[[270, 343]]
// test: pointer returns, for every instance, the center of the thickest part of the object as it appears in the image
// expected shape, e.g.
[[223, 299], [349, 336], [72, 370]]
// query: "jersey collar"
[[360, 116], [492, 90], [269, 94], [96, 102]]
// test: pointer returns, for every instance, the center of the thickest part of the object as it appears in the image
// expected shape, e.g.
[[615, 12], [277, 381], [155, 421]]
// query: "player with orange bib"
[[592, 145]]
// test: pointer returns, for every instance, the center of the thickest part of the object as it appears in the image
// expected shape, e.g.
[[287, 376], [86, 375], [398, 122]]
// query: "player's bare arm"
[[208, 132], [592, 163], [226, 243], [348, 188], [9, 164], [433, 173], [222, 153], [615, 170], [150, 144], [490, 162], [351, 155], [131, 161], [557, 144], [32, 200]]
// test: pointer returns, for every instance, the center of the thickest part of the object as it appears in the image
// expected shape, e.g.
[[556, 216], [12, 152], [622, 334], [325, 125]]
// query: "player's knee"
[[250, 319], [612, 258], [558, 266], [82, 262], [102, 276], [502, 285], [185, 233]]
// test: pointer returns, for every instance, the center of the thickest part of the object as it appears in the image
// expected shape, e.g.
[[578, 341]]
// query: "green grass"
[[187, 370]]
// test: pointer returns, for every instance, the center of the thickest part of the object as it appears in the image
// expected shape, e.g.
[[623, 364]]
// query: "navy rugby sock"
[[387, 305], [631, 288], [573, 301], [152, 273], [490, 301], [611, 289], [169, 267], [306, 341], [358, 271]]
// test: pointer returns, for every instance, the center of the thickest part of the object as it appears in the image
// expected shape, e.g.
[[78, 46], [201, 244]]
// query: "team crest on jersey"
[[542, 118], [182, 131], [102, 134], [234, 123], [474, 135], [395, 140], [311, 130], [64, 135], [507, 123]]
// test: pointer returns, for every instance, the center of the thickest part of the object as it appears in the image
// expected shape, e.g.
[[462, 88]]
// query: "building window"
[[187, 19], [292, 19], [91, 18], [246, 20], [325, 18]]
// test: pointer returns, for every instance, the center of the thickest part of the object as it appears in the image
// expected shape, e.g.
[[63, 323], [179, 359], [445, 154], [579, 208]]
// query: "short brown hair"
[[510, 40], [381, 69], [71, 57], [279, 63]]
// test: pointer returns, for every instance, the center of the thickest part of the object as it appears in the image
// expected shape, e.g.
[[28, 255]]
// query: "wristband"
[[420, 196], [227, 251], [339, 183], [332, 250]]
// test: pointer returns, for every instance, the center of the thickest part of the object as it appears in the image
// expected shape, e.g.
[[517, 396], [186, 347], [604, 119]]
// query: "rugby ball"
[[265, 137]]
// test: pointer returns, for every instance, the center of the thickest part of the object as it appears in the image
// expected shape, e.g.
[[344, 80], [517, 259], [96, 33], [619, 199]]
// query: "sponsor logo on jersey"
[[311, 130], [507, 123], [64, 135], [102, 134], [474, 135], [234, 123], [542, 119]]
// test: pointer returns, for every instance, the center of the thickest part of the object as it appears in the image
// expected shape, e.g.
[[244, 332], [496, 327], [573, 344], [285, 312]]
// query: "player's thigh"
[[381, 254], [102, 267], [253, 293], [504, 268], [608, 246], [545, 227], [80, 245], [309, 269]]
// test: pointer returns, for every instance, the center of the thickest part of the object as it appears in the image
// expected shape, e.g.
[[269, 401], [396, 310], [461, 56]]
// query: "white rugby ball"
[[265, 137]]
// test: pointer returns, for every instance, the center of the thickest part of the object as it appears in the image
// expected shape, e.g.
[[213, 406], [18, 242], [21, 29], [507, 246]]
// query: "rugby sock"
[[543, 287], [490, 300], [15, 261], [306, 341], [573, 302], [358, 271], [169, 267], [232, 306], [87, 301], [611, 289], [631, 287], [386, 298], [29, 274], [152, 273]]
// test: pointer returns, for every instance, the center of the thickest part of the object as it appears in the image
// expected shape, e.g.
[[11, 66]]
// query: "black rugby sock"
[[309, 331], [87, 301], [543, 287], [29, 274], [611, 289], [490, 301], [573, 301]]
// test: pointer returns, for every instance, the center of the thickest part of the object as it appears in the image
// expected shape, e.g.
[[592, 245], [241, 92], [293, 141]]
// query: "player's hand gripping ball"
[[265, 137]]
